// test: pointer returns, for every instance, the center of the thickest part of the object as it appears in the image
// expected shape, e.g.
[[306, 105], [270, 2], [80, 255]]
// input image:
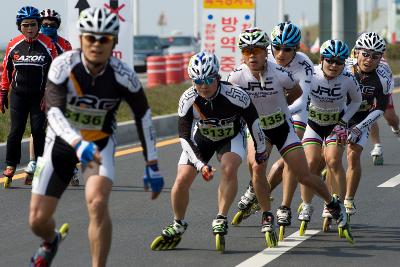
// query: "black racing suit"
[[26, 64]]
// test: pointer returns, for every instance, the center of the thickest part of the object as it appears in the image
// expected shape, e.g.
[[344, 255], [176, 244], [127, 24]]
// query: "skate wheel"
[[377, 160], [156, 244], [237, 219], [271, 239], [303, 228], [220, 243], [7, 182], [347, 234], [64, 230], [281, 232], [300, 207], [326, 226]]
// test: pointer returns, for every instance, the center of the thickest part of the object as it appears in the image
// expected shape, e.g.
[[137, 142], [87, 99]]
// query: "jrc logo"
[[29, 58], [327, 91]]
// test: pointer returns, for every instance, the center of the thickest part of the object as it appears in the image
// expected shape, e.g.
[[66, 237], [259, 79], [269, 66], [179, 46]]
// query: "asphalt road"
[[137, 221]]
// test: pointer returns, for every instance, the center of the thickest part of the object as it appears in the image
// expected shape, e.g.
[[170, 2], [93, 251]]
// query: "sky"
[[178, 14]]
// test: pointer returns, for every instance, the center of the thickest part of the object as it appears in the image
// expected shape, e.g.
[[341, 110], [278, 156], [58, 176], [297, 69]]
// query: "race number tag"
[[272, 121], [40, 162], [217, 133], [323, 117], [85, 118]]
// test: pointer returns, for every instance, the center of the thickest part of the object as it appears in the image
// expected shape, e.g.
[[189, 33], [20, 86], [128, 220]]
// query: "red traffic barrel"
[[186, 60], [174, 68], [156, 72]]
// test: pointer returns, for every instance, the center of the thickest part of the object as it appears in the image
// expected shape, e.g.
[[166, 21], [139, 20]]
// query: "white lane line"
[[269, 254], [392, 182]]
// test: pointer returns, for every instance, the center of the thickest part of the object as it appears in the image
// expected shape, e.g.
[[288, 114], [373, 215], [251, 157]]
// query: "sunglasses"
[[49, 25], [336, 61], [283, 48], [373, 56], [206, 81], [252, 51], [27, 25], [103, 39]]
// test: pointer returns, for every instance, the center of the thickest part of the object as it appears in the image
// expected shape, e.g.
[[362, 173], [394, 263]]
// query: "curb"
[[126, 133]]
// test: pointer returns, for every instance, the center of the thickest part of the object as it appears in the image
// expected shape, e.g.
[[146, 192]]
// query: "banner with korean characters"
[[122, 8], [223, 21]]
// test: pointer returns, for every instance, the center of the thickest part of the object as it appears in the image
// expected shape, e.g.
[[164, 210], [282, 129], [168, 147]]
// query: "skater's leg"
[[180, 191], [353, 170], [333, 159], [97, 193], [41, 219], [227, 189], [314, 162], [275, 174]]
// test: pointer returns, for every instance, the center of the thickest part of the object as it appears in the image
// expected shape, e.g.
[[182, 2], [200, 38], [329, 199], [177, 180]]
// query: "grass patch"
[[162, 100]]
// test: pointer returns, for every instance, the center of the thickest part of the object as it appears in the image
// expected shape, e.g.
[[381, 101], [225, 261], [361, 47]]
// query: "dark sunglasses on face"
[[49, 25], [373, 56], [255, 51], [27, 25], [331, 61], [206, 81], [283, 48], [103, 39]]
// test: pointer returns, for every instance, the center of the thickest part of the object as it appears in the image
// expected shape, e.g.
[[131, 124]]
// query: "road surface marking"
[[270, 254], [117, 154], [392, 182]]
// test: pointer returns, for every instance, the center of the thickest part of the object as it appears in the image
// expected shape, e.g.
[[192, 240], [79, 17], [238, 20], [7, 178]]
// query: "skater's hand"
[[3, 100], [152, 178], [341, 132], [355, 135], [207, 172], [87, 152]]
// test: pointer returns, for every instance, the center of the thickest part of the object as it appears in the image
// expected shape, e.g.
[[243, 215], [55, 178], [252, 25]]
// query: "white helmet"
[[98, 20], [253, 37], [371, 41], [203, 65]]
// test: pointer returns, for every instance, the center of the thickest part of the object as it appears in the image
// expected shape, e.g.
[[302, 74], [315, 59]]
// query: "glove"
[[341, 132], [152, 178], [355, 135], [85, 151], [207, 172], [261, 157], [3, 100]]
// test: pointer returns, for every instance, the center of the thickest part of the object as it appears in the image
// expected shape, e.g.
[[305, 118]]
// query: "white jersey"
[[302, 70], [329, 96], [268, 96]]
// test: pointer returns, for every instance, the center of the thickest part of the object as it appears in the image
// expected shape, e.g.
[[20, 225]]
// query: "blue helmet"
[[334, 48], [286, 33], [27, 12]]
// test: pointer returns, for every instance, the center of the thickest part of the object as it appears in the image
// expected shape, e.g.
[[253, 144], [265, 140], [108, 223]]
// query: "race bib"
[[272, 121], [85, 118], [323, 117], [40, 163], [217, 133]]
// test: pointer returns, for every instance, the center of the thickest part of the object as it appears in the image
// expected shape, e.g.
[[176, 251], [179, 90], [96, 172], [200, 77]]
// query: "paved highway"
[[137, 221]]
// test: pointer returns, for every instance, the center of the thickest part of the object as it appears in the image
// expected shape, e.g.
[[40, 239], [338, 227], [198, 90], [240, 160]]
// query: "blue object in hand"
[[153, 178]]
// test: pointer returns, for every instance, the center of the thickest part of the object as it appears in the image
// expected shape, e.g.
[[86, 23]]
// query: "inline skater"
[[328, 119], [83, 92], [271, 88], [210, 121], [375, 79], [26, 63], [50, 22]]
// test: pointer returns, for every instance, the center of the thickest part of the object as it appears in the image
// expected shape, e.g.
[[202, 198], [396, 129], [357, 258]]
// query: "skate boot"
[[377, 155], [283, 219], [338, 212], [268, 228], [327, 217], [305, 217], [29, 171], [220, 229], [247, 205], [46, 252], [75, 178], [350, 207], [396, 132], [170, 236], [8, 172]]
